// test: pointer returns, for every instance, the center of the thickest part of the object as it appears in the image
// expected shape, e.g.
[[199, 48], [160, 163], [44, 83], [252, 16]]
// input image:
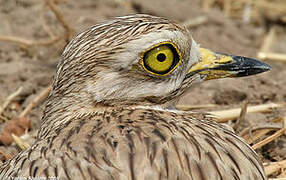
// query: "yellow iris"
[[160, 58]]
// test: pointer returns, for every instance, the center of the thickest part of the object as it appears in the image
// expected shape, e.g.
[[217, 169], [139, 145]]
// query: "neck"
[[62, 109]]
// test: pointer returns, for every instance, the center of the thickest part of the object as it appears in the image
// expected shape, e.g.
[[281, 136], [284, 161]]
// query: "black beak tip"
[[266, 67], [249, 66]]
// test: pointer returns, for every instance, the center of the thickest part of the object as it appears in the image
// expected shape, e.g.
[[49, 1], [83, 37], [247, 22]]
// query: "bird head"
[[142, 60]]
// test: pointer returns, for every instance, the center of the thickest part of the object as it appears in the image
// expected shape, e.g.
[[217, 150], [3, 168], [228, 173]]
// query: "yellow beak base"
[[218, 65]]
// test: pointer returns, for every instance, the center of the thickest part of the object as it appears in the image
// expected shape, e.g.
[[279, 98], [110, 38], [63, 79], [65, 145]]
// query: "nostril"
[[223, 62]]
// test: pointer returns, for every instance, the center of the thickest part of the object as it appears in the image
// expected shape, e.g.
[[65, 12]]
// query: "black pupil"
[[161, 57]]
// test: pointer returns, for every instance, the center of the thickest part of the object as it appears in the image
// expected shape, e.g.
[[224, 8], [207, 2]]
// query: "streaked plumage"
[[105, 116]]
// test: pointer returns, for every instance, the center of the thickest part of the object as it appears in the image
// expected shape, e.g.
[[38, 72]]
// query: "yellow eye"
[[161, 59]]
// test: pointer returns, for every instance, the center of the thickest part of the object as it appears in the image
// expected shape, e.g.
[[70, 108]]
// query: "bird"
[[107, 114]]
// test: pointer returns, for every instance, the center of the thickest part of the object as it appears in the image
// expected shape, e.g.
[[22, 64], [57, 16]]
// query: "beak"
[[218, 65]]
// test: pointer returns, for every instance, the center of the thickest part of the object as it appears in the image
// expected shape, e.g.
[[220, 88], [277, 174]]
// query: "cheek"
[[148, 89]]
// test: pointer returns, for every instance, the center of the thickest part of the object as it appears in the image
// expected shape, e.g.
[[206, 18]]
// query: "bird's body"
[[140, 143], [105, 116]]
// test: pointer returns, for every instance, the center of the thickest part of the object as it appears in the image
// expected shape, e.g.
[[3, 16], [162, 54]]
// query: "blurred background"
[[33, 34]]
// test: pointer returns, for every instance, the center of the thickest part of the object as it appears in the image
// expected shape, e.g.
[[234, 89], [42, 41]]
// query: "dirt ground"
[[32, 67]]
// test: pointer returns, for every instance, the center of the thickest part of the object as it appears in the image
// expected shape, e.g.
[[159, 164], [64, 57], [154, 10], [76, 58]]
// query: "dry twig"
[[44, 23], [32, 104], [20, 142], [265, 53], [254, 133], [9, 99], [25, 42], [269, 139], [273, 167], [53, 37], [268, 39], [231, 114], [271, 56], [190, 107], [227, 7], [263, 129], [241, 117], [60, 18]]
